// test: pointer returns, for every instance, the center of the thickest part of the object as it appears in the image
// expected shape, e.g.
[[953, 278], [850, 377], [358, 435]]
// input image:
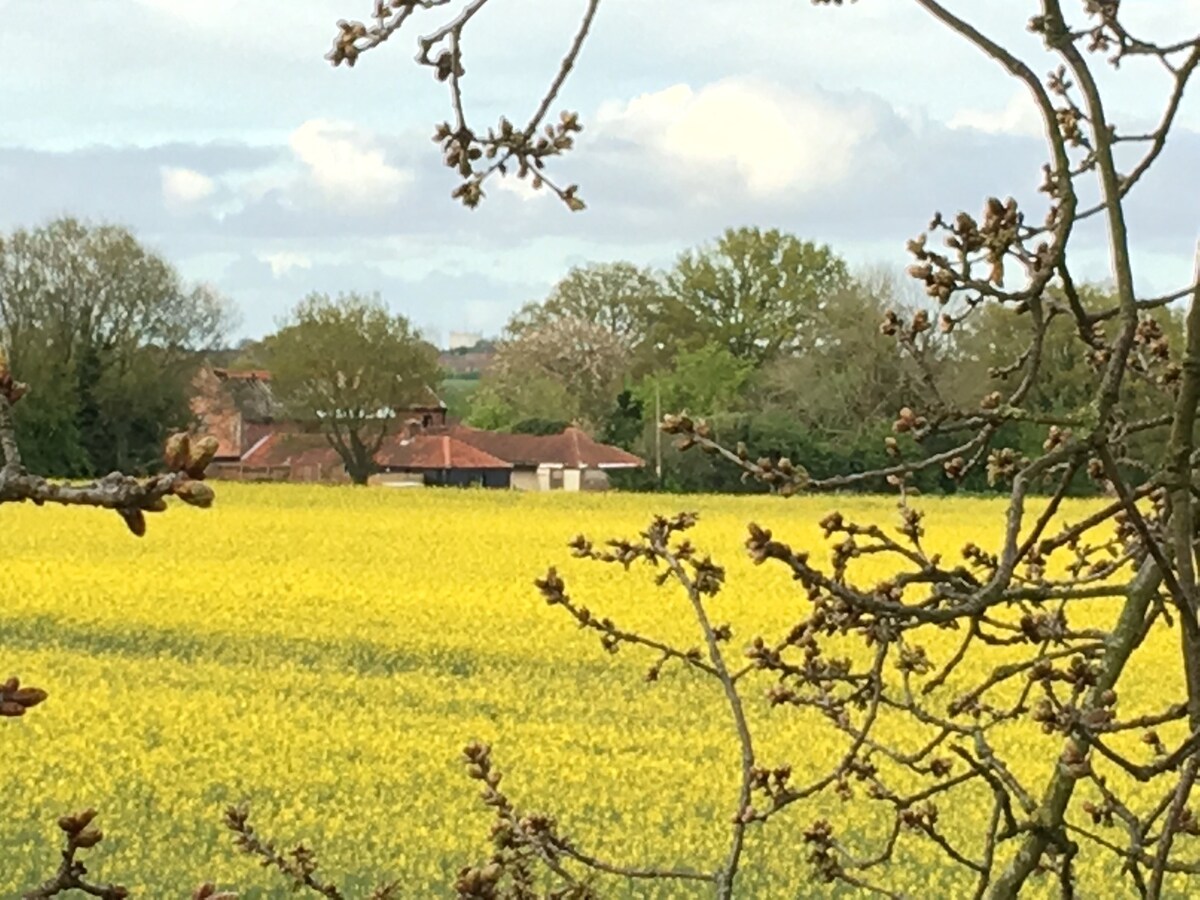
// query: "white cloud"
[[774, 139], [346, 164], [283, 262], [1019, 116], [183, 188]]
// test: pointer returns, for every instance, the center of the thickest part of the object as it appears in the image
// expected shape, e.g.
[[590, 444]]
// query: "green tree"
[[994, 339], [757, 292], [505, 400], [709, 380], [110, 334], [620, 297], [349, 364]]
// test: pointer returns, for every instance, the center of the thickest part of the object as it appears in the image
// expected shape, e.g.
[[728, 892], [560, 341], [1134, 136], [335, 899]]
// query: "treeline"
[[781, 346], [107, 333], [773, 339]]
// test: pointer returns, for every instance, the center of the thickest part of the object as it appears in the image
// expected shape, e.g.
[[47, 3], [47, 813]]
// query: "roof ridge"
[[575, 447]]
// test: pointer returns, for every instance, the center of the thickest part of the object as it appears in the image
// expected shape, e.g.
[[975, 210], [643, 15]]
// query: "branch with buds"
[[15, 700], [1055, 670], [298, 866], [72, 873], [185, 458], [476, 156]]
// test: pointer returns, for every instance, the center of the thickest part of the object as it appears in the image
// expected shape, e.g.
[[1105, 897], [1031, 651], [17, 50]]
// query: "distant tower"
[[464, 340]]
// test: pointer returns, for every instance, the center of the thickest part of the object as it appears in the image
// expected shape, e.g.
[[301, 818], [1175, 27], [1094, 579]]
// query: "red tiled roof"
[[281, 448], [573, 448], [435, 451], [424, 451]]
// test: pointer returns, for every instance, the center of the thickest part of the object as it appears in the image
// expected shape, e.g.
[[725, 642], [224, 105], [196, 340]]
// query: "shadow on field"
[[362, 657]]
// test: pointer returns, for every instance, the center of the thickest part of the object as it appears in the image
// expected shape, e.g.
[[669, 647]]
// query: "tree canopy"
[[347, 365], [759, 293], [562, 367], [620, 297], [109, 333]]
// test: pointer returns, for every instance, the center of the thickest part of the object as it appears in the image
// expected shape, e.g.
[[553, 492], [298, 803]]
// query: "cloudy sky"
[[217, 131]]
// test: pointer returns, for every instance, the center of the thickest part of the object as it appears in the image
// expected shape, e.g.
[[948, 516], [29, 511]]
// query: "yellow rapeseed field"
[[325, 653]]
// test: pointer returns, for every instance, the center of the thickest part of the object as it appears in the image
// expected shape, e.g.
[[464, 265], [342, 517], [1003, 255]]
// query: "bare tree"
[[1023, 595], [581, 361]]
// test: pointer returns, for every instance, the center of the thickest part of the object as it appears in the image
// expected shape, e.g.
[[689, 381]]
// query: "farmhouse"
[[258, 443]]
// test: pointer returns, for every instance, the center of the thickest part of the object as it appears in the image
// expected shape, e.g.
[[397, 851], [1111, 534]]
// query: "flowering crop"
[[325, 653]]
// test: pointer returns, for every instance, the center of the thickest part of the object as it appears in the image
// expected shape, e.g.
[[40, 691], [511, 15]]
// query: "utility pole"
[[657, 432], [659, 346]]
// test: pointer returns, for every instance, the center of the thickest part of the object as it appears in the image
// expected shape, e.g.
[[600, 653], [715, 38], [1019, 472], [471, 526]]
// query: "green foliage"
[[108, 335], [568, 357], [698, 333], [757, 293], [457, 392], [626, 423], [996, 338], [831, 407], [851, 378], [709, 381], [49, 430], [620, 297], [500, 406], [348, 364], [246, 354]]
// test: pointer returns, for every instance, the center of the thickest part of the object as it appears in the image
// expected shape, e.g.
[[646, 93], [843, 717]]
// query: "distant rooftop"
[[242, 374]]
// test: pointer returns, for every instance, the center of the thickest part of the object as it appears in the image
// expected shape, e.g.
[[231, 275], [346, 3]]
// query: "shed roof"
[[283, 447], [435, 451], [572, 448]]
